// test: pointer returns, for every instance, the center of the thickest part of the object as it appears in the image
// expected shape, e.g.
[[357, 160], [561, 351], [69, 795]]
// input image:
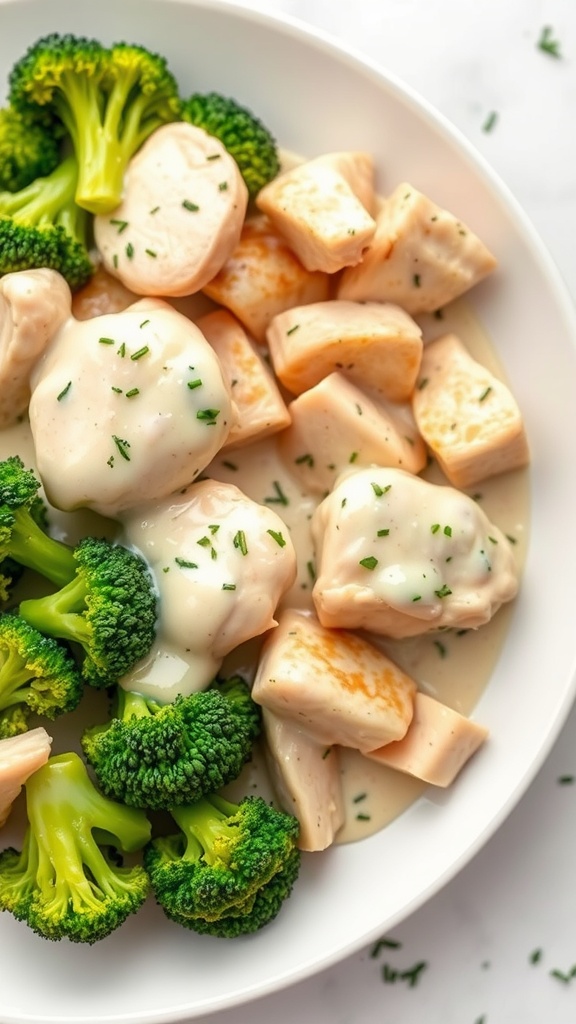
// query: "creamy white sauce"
[[451, 667]]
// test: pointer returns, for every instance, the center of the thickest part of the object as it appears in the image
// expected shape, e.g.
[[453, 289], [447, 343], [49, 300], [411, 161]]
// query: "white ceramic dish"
[[317, 97]]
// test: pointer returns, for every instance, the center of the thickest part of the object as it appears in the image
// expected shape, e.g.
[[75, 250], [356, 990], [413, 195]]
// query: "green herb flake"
[[143, 324], [535, 956], [214, 527], [383, 533], [280, 540], [304, 460], [292, 329], [129, 250], [435, 527], [441, 648], [208, 416], [64, 391], [326, 753], [122, 446], [384, 943], [548, 44], [154, 209], [380, 491], [359, 798], [443, 591], [239, 542], [204, 542], [490, 121], [448, 531], [422, 383], [311, 571], [369, 563], [566, 780], [564, 976], [140, 353], [353, 457], [115, 261], [230, 465], [122, 350], [193, 384], [279, 497], [184, 563], [120, 224], [363, 817], [416, 280], [228, 586], [106, 341], [150, 252], [133, 392], [117, 391], [485, 394], [188, 205], [223, 186]]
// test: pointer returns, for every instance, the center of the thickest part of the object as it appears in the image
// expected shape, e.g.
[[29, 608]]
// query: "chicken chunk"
[[306, 778], [400, 556], [468, 417], [33, 306], [437, 745], [181, 216], [20, 756], [263, 277], [377, 345], [323, 208], [333, 684], [336, 424], [261, 409], [127, 407], [421, 257], [102, 294], [222, 563]]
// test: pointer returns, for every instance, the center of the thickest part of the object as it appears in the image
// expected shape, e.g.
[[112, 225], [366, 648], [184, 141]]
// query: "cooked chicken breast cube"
[[333, 684], [421, 257], [306, 778], [33, 306], [323, 208], [261, 410], [102, 294], [336, 424], [437, 745], [222, 563], [377, 345], [263, 277], [181, 216], [127, 407], [468, 417], [20, 756], [400, 556]]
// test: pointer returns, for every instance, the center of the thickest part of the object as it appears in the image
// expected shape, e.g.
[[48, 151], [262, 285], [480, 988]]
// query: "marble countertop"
[[498, 944]]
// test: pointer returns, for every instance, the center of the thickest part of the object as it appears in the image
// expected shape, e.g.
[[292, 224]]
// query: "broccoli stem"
[[30, 546], [13, 675], [42, 201], [60, 615], [203, 822]]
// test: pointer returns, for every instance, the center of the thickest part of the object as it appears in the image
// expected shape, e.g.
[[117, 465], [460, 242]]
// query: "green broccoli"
[[108, 100], [42, 226], [244, 136], [267, 904], [37, 674], [66, 881], [23, 539], [108, 608], [157, 755], [218, 868], [27, 151]]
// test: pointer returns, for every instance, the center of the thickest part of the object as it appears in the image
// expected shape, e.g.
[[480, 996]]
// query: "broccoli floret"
[[108, 608], [216, 867], [37, 674], [23, 539], [42, 226], [157, 755], [107, 99], [66, 882], [27, 151], [244, 136]]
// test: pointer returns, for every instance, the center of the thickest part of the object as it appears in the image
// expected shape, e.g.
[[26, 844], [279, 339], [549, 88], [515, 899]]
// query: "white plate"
[[317, 97]]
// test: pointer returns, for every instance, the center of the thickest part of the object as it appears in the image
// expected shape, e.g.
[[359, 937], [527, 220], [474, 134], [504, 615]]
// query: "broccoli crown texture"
[[65, 882], [108, 100], [244, 136], [108, 608], [27, 151], [37, 674], [158, 755], [42, 226], [22, 535], [224, 855]]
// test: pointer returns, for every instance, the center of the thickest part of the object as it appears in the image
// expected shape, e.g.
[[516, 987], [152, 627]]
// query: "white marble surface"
[[516, 902]]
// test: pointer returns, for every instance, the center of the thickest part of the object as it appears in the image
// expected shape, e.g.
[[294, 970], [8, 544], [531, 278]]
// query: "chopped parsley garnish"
[[188, 205], [490, 121], [280, 540], [369, 563], [416, 280], [240, 542], [185, 564], [129, 250], [279, 498], [120, 224], [106, 341], [141, 352], [144, 322], [133, 392], [122, 446], [353, 457], [64, 391], [193, 384], [150, 252], [485, 393], [228, 586], [383, 533], [223, 186], [444, 591], [378, 490], [307, 459], [208, 416], [292, 329], [547, 44]]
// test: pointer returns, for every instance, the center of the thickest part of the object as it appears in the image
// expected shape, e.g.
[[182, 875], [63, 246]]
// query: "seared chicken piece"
[[306, 778], [333, 684], [102, 294], [400, 556], [262, 277], [336, 424], [377, 345], [421, 257], [323, 208], [19, 757], [181, 216], [33, 306], [261, 409], [126, 408], [222, 563], [437, 745], [467, 416]]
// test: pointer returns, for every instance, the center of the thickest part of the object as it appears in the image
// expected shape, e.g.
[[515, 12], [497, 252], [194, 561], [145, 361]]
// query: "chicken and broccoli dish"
[[249, 480]]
